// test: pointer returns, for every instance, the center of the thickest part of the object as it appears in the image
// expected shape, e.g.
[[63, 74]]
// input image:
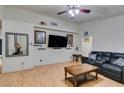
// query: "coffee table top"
[[80, 69]]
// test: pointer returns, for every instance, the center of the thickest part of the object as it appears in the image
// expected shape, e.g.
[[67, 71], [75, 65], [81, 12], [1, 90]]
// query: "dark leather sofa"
[[104, 60]]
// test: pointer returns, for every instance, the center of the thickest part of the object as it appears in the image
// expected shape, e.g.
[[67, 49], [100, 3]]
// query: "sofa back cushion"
[[113, 59], [99, 58], [115, 56], [106, 56], [119, 62], [92, 56], [98, 53], [118, 55]]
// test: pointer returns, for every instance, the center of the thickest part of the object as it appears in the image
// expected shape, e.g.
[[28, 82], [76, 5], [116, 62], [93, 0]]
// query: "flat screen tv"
[[57, 41]]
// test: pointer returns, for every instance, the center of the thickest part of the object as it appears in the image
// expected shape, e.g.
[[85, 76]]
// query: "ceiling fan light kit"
[[74, 10]]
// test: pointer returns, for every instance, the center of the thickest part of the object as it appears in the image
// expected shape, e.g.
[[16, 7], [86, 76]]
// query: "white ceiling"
[[97, 11]]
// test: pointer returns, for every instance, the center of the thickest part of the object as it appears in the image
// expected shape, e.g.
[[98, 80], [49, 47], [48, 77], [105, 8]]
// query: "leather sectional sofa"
[[109, 64]]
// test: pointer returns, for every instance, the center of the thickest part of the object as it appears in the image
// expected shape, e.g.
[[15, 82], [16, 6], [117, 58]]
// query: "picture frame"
[[86, 39], [70, 39], [17, 44], [39, 37]]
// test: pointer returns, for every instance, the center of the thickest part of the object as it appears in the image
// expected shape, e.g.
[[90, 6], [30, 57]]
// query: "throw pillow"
[[92, 56], [119, 62]]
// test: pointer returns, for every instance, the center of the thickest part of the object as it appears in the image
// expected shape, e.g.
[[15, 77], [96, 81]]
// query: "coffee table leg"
[[75, 81], [85, 76], [65, 75], [96, 75]]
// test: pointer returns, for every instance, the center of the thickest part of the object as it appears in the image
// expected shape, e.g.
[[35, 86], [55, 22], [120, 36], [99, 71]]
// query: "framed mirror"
[[16, 44]]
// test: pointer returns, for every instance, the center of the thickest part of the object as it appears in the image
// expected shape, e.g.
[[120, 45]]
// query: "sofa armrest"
[[122, 67], [83, 59], [86, 58]]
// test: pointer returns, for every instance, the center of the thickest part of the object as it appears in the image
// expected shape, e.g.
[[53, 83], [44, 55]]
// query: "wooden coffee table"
[[80, 70]]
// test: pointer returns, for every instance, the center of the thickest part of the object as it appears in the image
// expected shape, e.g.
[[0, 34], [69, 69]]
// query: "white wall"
[[0, 38], [51, 55], [21, 21], [35, 18], [0, 33], [0, 26], [15, 63], [0, 29], [108, 34], [1, 12], [1, 15]]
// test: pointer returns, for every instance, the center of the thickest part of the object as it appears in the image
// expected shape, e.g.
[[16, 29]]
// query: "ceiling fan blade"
[[62, 12], [85, 10]]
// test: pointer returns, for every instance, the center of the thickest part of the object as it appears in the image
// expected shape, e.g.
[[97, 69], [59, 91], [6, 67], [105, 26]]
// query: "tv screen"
[[57, 41]]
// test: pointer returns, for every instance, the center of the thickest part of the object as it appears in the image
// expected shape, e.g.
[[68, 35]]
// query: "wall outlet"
[[23, 63], [41, 60]]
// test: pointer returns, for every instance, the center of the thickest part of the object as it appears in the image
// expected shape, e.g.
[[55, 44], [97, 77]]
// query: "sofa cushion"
[[97, 52], [112, 59], [106, 58], [112, 75], [92, 56], [99, 62], [118, 55], [99, 57], [111, 68], [108, 54], [90, 61], [119, 62]]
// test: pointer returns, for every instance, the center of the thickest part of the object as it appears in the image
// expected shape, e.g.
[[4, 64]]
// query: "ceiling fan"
[[74, 10]]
